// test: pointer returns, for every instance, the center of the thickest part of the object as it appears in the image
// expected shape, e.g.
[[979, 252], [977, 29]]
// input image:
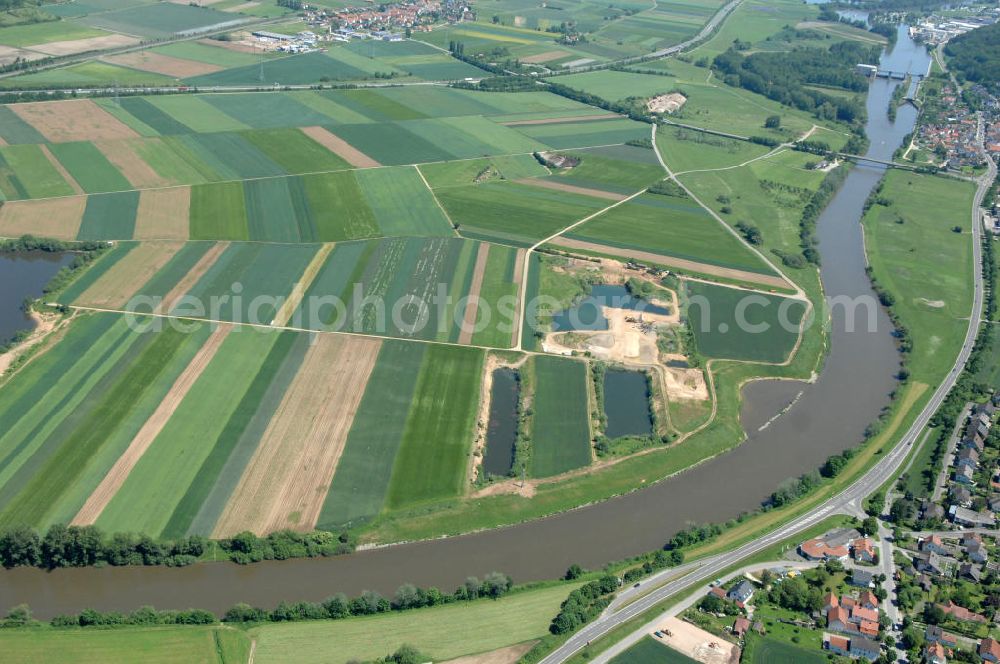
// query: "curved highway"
[[847, 502]]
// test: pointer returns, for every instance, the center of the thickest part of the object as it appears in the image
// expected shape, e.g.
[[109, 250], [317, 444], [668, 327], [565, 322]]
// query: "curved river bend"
[[830, 416]]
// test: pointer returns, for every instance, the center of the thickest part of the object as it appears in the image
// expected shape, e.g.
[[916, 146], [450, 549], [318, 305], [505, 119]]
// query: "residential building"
[[935, 653], [966, 517], [935, 634], [961, 613], [741, 592], [741, 626], [934, 544], [864, 550], [862, 578], [989, 650], [970, 572], [866, 648], [838, 645]]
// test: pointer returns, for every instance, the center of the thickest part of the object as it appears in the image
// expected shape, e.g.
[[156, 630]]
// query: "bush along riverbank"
[[85, 546]]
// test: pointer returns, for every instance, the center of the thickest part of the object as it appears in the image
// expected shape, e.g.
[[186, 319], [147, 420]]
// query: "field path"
[[670, 261], [56, 164], [472, 308], [573, 189], [562, 119], [116, 477], [340, 147], [192, 277], [286, 481], [294, 298]]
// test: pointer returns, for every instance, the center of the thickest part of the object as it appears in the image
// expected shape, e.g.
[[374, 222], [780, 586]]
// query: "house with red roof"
[[864, 551], [935, 653], [961, 613], [989, 650]]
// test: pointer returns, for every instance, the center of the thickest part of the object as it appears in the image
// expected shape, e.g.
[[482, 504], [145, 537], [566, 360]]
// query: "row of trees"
[[82, 546]]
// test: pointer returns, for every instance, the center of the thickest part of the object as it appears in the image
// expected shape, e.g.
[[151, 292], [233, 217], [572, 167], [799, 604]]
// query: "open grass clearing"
[[441, 632], [433, 456], [149, 645], [561, 423]]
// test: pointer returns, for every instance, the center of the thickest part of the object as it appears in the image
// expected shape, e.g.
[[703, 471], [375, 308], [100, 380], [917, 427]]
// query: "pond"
[[502, 429], [626, 404], [24, 275], [586, 314]]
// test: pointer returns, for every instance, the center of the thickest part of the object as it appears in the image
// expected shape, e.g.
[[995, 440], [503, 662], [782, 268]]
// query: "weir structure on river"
[[829, 416]]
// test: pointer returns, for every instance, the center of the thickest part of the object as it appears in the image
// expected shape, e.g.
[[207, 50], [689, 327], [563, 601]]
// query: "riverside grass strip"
[[437, 441], [561, 421], [285, 483], [361, 481]]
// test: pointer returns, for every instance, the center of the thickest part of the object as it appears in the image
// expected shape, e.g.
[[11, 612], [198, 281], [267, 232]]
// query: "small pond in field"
[[626, 404], [502, 429], [24, 275], [586, 314]]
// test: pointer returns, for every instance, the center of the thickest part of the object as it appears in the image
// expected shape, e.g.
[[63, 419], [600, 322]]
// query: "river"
[[830, 415]]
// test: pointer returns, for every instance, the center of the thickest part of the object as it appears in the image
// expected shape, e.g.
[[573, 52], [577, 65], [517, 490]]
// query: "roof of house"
[[837, 614], [864, 613], [839, 642], [831, 600], [863, 644], [989, 646], [960, 612], [864, 545], [818, 548], [741, 625], [868, 628], [868, 598], [936, 650], [860, 575]]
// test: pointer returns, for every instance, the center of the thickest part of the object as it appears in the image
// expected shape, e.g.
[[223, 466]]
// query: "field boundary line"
[[56, 164], [427, 184], [309, 275]]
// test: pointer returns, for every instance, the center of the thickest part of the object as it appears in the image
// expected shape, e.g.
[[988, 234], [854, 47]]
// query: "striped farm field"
[[561, 422], [89, 167], [83, 411], [514, 214], [434, 453], [27, 172], [286, 480], [672, 225], [110, 216], [370, 279], [113, 289]]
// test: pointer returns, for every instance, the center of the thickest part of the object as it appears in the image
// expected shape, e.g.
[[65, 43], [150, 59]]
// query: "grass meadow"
[[916, 254], [561, 422]]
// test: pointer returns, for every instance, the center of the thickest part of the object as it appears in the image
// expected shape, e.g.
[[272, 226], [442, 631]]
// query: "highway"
[[848, 501]]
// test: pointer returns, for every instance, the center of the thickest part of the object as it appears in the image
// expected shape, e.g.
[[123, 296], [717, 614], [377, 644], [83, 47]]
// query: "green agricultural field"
[[686, 150], [264, 275], [434, 453], [16, 131], [739, 325], [617, 85], [206, 53], [673, 226], [561, 423], [917, 256], [267, 111], [96, 271], [338, 207], [622, 169], [84, 74], [195, 112], [773, 651], [514, 214], [89, 167], [218, 212], [291, 70], [465, 172], [159, 481], [392, 143], [443, 632], [591, 133], [29, 174], [33, 34], [650, 651], [150, 645], [159, 20], [401, 202], [498, 286], [365, 468], [294, 151], [231, 155], [206, 497], [109, 216]]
